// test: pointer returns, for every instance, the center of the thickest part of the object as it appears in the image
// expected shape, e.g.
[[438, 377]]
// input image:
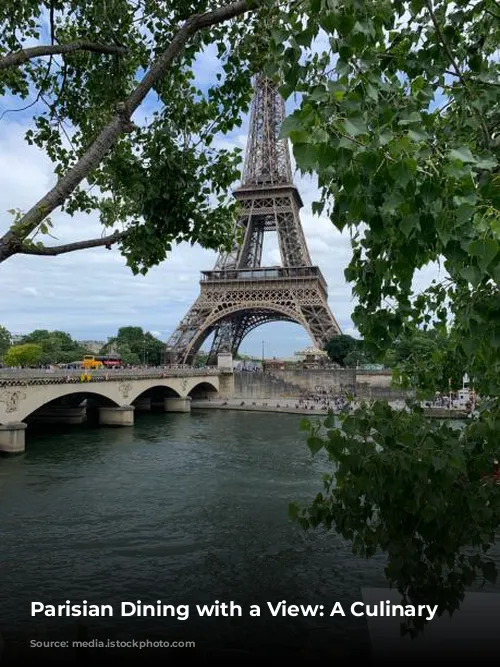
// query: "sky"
[[91, 293]]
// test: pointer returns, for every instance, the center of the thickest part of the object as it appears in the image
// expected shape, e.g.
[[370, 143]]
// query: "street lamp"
[[263, 351]]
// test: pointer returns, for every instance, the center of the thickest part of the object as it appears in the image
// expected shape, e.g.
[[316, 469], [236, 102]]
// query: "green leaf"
[[472, 274], [300, 137], [464, 213], [487, 163], [304, 38], [409, 119], [315, 444], [385, 137], [291, 123], [317, 207], [485, 250], [438, 463], [306, 156], [355, 126], [372, 92], [409, 224], [417, 135], [463, 154], [305, 424]]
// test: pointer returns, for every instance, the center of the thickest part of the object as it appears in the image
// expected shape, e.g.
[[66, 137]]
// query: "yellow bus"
[[90, 362]]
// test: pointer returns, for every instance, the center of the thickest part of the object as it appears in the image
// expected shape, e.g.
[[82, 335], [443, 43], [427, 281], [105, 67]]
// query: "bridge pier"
[[117, 416], [12, 437], [226, 385], [177, 404]]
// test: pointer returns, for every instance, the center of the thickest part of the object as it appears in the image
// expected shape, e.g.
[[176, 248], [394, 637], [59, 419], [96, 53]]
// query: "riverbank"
[[290, 406]]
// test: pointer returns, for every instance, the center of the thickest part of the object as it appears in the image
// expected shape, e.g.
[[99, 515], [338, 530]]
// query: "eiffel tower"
[[239, 294]]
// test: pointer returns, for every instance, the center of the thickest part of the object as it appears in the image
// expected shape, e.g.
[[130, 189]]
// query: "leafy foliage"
[[4, 341], [399, 119], [428, 361], [28, 354], [160, 178], [422, 492], [339, 347], [136, 346], [57, 346]]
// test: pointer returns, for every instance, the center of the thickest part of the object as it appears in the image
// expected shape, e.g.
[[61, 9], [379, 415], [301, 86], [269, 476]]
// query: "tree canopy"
[[154, 178], [399, 119], [5, 340], [136, 346], [27, 354], [57, 346], [339, 347]]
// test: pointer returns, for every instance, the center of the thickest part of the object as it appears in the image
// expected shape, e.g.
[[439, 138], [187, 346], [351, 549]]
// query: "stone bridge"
[[30, 396]]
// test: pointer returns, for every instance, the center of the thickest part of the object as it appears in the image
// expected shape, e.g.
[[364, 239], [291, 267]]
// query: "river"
[[182, 508], [186, 508]]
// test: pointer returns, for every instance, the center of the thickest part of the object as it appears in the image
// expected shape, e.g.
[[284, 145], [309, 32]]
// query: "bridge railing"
[[10, 376]]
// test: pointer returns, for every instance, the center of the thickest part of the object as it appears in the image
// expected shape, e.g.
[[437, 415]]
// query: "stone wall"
[[377, 385], [288, 383]]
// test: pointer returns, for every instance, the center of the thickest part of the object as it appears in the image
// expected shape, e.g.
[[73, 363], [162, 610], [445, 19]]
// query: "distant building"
[[93, 346], [17, 339], [312, 356], [274, 364]]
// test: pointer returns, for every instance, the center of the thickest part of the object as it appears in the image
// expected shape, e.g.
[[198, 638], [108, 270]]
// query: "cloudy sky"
[[90, 294]]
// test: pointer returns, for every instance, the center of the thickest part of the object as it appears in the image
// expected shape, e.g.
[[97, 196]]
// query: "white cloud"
[[30, 290]]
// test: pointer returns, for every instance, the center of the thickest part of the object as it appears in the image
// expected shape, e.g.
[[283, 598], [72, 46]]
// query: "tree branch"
[[107, 241], [118, 125], [455, 66], [18, 57]]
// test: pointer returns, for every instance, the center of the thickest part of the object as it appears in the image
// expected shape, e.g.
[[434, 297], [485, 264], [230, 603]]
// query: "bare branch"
[[107, 241], [118, 125], [18, 57]]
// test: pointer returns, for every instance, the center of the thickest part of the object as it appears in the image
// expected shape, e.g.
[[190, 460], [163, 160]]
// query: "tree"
[[128, 358], [400, 122], [57, 346], [355, 357], [339, 347], [429, 360], [5, 340], [201, 359], [28, 354], [136, 346], [153, 182], [415, 491]]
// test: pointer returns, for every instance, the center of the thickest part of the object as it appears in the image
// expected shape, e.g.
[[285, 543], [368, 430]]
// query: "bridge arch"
[[53, 396], [156, 391], [205, 389]]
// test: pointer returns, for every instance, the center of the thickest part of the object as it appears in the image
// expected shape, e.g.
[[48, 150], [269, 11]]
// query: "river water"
[[186, 508], [182, 508]]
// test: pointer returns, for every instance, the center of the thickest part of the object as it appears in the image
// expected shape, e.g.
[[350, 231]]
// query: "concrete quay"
[[292, 406]]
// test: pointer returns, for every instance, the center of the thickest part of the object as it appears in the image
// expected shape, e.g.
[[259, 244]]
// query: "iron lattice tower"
[[240, 294]]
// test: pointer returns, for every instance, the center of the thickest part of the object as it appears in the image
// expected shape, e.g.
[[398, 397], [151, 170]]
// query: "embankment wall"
[[296, 383]]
